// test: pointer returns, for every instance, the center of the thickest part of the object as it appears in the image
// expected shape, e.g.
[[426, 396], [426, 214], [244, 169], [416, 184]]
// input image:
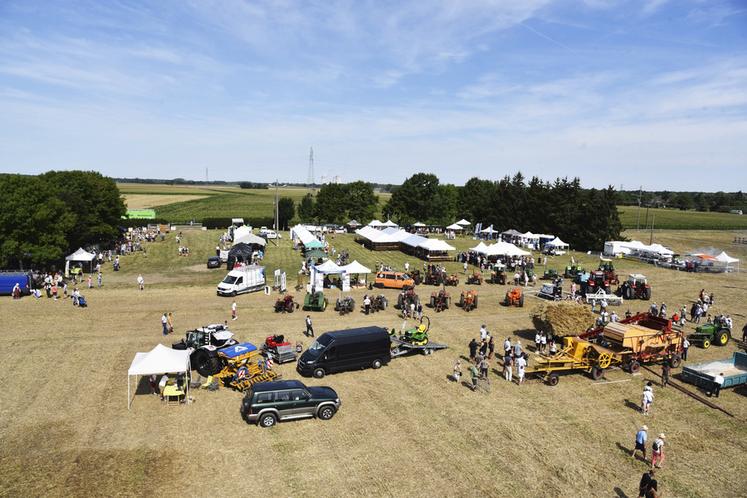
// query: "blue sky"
[[631, 93]]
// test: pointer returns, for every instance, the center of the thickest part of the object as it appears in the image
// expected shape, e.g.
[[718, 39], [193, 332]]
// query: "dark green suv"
[[268, 402]]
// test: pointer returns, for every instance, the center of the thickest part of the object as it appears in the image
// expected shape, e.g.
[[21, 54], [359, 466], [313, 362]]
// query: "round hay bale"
[[562, 318]]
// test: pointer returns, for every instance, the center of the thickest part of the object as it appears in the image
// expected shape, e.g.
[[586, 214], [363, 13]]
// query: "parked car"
[[394, 280], [213, 262], [266, 403], [351, 349]]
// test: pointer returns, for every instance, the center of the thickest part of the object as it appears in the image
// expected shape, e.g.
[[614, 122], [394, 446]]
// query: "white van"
[[244, 279]]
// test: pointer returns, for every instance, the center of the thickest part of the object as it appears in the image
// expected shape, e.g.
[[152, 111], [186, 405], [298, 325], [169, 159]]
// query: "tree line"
[[584, 218], [45, 217], [700, 201]]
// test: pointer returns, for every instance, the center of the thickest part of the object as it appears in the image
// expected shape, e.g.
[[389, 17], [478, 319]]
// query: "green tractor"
[[714, 332], [315, 301], [573, 271], [550, 274], [417, 336]]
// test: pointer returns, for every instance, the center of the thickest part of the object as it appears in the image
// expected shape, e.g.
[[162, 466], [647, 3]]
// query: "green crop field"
[[674, 219], [214, 202]]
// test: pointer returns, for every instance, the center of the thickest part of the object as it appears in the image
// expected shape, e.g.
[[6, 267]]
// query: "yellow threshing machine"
[[243, 365]]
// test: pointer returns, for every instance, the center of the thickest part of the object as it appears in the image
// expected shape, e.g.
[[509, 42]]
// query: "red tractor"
[[285, 304], [609, 272], [277, 348], [635, 287], [597, 280]]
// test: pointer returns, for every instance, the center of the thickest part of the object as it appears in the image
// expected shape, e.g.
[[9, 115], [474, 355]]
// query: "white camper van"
[[244, 279]]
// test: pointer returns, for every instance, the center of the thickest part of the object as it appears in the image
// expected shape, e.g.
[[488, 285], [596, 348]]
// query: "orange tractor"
[[468, 300], [440, 300], [514, 297], [475, 278]]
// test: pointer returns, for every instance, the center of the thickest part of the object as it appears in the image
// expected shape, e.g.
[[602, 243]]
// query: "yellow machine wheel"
[[605, 359], [706, 344]]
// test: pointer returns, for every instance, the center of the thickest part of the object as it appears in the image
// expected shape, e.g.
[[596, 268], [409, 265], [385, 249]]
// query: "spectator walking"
[[465, 267], [665, 368], [517, 349], [233, 310], [309, 327], [483, 332], [491, 347], [141, 282], [507, 345], [89, 280], [170, 320], [475, 374], [473, 349], [99, 279], [367, 304], [521, 365], [640, 442], [718, 382], [457, 370], [647, 481], [537, 341], [507, 366], [165, 324], [685, 347], [648, 398], [657, 452], [484, 367]]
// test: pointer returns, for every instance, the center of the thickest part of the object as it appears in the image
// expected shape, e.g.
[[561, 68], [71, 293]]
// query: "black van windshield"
[[319, 345]]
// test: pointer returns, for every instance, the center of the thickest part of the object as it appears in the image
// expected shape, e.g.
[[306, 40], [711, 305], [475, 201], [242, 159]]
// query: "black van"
[[350, 349]]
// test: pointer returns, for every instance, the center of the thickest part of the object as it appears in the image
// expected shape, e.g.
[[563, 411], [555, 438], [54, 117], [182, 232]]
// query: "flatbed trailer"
[[703, 374], [401, 348]]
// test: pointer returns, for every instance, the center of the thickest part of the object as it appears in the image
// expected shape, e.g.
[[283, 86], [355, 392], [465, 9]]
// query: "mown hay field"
[[674, 219], [145, 201], [403, 430]]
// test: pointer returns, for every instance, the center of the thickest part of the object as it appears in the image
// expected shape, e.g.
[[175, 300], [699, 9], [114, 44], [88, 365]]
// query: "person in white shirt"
[[141, 282], [648, 398], [521, 365], [233, 311], [483, 332], [543, 343], [537, 341]]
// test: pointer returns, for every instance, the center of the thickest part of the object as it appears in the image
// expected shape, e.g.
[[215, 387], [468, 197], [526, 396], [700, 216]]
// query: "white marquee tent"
[[463, 222], [556, 242], [480, 248], [355, 268], [160, 360], [80, 256], [455, 226], [389, 224]]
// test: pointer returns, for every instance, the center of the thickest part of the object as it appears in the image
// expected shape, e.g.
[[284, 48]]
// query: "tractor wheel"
[[706, 343], [433, 302], [553, 379], [319, 373], [596, 373], [461, 301], [675, 361], [628, 293], [327, 412], [605, 359], [475, 306], [647, 294], [376, 364], [268, 420], [634, 367], [722, 338], [521, 301], [206, 362]]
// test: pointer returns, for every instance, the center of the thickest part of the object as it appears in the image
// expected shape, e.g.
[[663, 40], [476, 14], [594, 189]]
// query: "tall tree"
[[286, 211], [34, 223], [95, 200], [331, 203], [306, 208], [361, 202]]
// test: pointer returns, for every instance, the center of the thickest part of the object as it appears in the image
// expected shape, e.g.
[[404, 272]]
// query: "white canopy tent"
[[436, 245], [418, 224], [329, 268], [727, 260], [355, 268], [480, 248], [389, 224], [375, 224], [241, 232], [463, 223], [250, 239], [455, 226], [502, 248], [160, 360], [556, 242], [301, 234], [79, 256]]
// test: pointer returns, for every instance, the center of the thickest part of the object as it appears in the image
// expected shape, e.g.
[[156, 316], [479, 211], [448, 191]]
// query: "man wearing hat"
[[657, 457], [640, 442]]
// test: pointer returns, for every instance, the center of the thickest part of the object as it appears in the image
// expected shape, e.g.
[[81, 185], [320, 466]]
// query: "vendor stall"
[[160, 360]]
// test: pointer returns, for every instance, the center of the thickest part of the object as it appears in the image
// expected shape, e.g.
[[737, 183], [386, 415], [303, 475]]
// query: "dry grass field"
[[403, 430]]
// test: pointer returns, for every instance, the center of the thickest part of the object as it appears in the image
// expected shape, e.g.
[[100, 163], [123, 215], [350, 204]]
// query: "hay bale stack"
[[562, 318]]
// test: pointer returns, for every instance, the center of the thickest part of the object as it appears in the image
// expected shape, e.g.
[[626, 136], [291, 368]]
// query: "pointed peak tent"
[[556, 242], [418, 224], [463, 223], [159, 360], [480, 248], [389, 224], [81, 255], [355, 268], [725, 258], [375, 223], [353, 224], [455, 226], [328, 267]]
